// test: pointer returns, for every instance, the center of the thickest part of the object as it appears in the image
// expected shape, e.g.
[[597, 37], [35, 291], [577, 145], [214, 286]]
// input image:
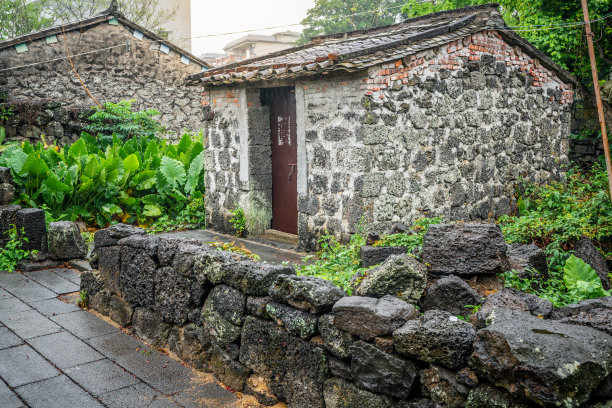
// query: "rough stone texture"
[[230, 372], [377, 371], [47, 101], [110, 236], [595, 313], [297, 369], [373, 255], [217, 328], [521, 257], [339, 393], [149, 326], [586, 250], [548, 362], [65, 241], [297, 322], [256, 306], [32, 222], [229, 303], [120, 311], [172, 295], [8, 217], [504, 299], [464, 249], [450, 294], [6, 177], [80, 265], [334, 339], [7, 193], [91, 282], [26, 265], [369, 317], [137, 278], [400, 275], [536, 305], [436, 337], [443, 387], [259, 387], [109, 265], [309, 293], [485, 396], [412, 139]]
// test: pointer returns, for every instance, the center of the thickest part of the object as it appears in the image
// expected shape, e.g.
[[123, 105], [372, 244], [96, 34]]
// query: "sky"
[[216, 17]]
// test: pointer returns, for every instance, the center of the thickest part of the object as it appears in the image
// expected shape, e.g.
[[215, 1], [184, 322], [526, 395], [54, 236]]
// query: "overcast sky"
[[222, 16]]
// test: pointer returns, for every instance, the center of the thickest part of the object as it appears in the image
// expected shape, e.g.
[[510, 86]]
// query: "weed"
[[234, 248], [83, 300], [238, 221], [13, 251]]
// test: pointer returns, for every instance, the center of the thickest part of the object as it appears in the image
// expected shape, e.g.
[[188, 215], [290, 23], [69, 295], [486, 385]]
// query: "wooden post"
[[602, 120]]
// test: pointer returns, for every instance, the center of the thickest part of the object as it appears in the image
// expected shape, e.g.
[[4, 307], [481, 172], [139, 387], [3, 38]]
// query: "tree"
[[336, 16], [19, 17]]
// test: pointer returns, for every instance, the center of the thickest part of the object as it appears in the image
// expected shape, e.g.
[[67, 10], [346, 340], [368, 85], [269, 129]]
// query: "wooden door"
[[284, 159]]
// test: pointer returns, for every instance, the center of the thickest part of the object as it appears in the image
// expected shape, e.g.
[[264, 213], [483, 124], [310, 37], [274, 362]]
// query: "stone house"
[[437, 115], [115, 58]]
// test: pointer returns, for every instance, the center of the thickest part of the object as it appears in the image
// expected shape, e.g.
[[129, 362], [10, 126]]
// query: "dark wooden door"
[[284, 159]]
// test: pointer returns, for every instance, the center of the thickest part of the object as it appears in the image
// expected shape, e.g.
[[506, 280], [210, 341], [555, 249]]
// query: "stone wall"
[[585, 152], [49, 97], [264, 331], [446, 132]]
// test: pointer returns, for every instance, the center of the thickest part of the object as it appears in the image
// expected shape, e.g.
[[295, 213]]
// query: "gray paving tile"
[[117, 344], [53, 281], [101, 377], [207, 395], [11, 279], [136, 396], [4, 294], [8, 399], [29, 324], [70, 274], [64, 350], [22, 365], [54, 307], [12, 305], [8, 339], [26, 289], [83, 324], [57, 392]]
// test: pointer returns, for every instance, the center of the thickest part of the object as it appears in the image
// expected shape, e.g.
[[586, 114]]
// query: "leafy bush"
[[12, 252], [136, 181], [238, 221], [414, 240]]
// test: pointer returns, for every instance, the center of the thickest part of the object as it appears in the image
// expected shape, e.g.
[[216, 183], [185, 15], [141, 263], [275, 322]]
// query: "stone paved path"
[[53, 354]]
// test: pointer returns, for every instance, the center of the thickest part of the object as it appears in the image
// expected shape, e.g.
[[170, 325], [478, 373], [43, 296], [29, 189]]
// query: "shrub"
[[13, 251]]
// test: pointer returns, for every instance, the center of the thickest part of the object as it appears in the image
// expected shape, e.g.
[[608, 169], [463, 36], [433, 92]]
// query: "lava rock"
[[120, 311], [372, 238], [169, 246], [65, 241], [229, 372], [584, 306], [586, 250], [340, 369], [5, 175], [27, 265], [450, 294], [149, 326], [8, 218], [375, 370], [397, 228], [259, 387], [504, 299], [109, 265], [486, 396], [536, 305], [172, 295], [256, 306], [137, 277], [31, 224], [339, 393], [110, 236], [297, 322], [419, 403], [523, 257], [436, 337], [218, 329], [229, 303], [192, 344], [548, 362], [374, 255], [400, 275], [309, 293], [443, 387], [467, 376], [297, 369], [595, 313], [7, 193], [80, 265], [334, 339], [370, 317], [91, 282], [465, 249]]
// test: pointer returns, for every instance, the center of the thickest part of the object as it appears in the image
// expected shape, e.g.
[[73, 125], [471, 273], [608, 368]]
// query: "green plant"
[[238, 221], [234, 248], [83, 300], [191, 217], [257, 218], [413, 240], [582, 280], [13, 251]]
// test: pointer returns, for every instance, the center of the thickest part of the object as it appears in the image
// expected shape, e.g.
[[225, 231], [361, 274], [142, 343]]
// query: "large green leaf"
[[152, 211], [194, 173], [580, 276], [143, 180], [35, 166], [78, 149], [54, 183], [184, 144], [130, 163], [173, 172], [16, 160]]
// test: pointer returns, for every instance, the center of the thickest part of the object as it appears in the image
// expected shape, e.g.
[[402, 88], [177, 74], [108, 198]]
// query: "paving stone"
[[25, 289], [53, 282], [22, 365], [4, 294], [136, 396], [70, 274], [12, 305], [54, 307], [100, 377], [8, 399], [8, 339], [117, 344], [206, 395], [57, 392], [64, 350], [29, 324], [83, 324]]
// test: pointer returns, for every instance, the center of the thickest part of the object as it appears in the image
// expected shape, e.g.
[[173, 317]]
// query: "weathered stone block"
[[436, 337], [334, 339], [297, 322], [451, 294], [109, 265], [370, 317], [149, 326], [7, 193], [375, 370], [372, 255], [8, 217], [256, 306], [229, 303], [230, 372], [339, 393], [110, 236], [522, 257], [6, 177], [306, 292], [504, 299], [297, 369], [120, 311], [217, 328], [65, 241], [172, 295], [137, 278], [486, 396], [464, 249], [586, 250], [32, 222], [443, 387]]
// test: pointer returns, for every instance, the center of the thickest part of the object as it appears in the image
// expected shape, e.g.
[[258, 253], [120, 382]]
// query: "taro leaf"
[[16, 160], [54, 183], [173, 172], [78, 150], [152, 211], [112, 209], [580, 276], [152, 199], [184, 144], [193, 175], [35, 166], [143, 180], [131, 163]]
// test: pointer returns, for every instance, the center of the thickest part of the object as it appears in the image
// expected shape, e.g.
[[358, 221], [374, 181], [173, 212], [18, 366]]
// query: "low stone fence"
[[262, 330], [585, 152]]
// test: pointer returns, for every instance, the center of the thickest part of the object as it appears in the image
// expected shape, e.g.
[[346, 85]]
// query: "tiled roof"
[[359, 50]]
